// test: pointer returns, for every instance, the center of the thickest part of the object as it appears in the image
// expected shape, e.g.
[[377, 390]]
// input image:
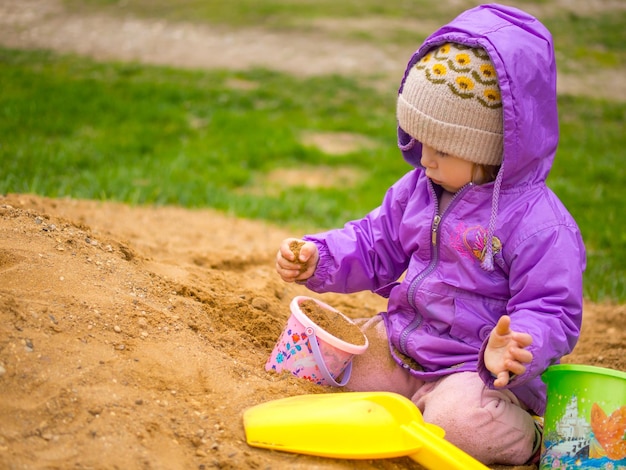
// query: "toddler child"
[[481, 263]]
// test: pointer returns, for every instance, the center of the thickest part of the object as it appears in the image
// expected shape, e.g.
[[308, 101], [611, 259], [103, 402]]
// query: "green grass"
[[589, 176], [158, 135], [152, 135]]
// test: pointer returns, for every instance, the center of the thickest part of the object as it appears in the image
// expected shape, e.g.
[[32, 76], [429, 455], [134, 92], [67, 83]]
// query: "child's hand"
[[296, 268], [505, 353]]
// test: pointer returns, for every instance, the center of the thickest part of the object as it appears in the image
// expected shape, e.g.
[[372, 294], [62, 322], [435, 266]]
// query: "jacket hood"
[[522, 52]]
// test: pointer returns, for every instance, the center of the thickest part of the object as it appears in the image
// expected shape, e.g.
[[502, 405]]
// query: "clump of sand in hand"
[[295, 247]]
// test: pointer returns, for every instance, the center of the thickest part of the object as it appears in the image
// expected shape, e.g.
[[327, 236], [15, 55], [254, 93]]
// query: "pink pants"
[[490, 425]]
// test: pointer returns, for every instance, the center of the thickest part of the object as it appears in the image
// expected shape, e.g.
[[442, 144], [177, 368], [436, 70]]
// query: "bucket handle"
[[319, 360]]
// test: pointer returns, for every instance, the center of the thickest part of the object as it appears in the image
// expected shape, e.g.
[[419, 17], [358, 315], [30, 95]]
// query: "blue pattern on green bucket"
[[585, 420]]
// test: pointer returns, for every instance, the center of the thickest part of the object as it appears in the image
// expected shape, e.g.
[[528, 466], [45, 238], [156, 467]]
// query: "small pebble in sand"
[[260, 303]]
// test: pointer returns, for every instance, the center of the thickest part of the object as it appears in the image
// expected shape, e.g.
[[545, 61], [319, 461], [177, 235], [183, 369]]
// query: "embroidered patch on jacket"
[[472, 242]]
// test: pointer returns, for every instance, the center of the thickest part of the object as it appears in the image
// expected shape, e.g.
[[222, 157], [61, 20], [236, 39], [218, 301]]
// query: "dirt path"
[[46, 24]]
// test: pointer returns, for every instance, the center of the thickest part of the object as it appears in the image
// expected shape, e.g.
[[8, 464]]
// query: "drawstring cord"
[[487, 262], [408, 146]]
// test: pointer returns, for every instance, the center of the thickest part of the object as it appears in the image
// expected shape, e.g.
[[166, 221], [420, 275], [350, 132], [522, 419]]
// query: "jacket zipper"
[[434, 249]]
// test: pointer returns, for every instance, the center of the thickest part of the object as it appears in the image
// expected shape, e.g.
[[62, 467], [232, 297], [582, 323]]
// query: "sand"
[[135, 337]]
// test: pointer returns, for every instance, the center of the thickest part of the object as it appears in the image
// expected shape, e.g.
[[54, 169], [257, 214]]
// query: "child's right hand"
[[291, 269]]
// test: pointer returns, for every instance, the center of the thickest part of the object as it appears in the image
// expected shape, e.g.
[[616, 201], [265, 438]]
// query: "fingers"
[[520, 355], [502, 379], [293, 268], [308, 251], [502, 336], [503, 326], [287, 275], [506, 352], [287, 270], [285, 251], [513, 364], [522, 339], [515, 367]]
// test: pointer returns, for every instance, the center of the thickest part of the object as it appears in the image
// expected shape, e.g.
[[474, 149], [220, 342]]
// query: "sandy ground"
[[135, 337]]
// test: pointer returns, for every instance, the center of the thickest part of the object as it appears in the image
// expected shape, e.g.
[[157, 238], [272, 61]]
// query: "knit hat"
[[451, 101]]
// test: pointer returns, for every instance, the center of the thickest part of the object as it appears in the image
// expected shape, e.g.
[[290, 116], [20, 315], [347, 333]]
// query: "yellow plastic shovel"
[[353, 425]]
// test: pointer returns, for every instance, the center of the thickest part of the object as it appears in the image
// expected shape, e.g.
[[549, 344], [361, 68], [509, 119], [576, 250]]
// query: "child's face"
[[449, 172]]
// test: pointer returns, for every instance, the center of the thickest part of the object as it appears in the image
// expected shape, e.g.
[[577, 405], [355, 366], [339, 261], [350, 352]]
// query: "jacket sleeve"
[[365, 254], [545, 281]]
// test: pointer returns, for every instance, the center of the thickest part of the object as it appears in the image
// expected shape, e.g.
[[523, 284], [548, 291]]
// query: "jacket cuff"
[[317, 281], [484, 373]]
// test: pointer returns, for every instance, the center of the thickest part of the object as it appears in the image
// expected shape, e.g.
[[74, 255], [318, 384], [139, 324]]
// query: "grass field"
[[152, 135]]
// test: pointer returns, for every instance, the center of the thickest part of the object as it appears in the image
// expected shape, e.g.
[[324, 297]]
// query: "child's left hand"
[[505, 352]]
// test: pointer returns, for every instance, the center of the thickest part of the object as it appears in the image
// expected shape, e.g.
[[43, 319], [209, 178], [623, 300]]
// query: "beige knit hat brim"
[[478, 146], [450, 100]]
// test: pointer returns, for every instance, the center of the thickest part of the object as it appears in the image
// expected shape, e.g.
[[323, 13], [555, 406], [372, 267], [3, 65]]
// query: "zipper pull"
[[435, 226]]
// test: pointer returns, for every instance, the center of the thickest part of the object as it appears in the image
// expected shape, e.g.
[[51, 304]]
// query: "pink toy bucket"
[[312, 353]]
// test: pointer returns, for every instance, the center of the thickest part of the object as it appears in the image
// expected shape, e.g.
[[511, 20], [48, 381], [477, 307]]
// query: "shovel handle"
[[437, 453]]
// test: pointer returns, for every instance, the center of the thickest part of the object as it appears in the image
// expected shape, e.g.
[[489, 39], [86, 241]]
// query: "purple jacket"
[[440, 313]]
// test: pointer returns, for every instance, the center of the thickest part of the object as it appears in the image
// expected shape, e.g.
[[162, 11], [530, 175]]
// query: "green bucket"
[[585, 420]]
